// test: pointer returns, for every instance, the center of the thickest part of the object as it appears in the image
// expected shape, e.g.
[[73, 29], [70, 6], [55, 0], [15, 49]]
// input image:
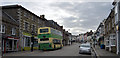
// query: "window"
[[116, 8], [44, 39], [53, 31], [33, 29], [113, 42], [43, 30], [27, 41], [109, 26], [35, 43], [25, 14], [55, 41], [26, 26], [13, 31], [40, 21], [116, 18], [107, 43], [33, 18], [112, 22], [2, 28]]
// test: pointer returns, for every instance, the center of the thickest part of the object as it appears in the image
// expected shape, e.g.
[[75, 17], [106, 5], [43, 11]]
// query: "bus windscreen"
[[43, 30]]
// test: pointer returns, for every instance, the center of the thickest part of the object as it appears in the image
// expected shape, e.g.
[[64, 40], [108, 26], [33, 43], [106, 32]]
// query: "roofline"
[[19, 6]]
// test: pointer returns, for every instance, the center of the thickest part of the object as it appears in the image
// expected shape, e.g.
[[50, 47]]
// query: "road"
[[72, 50]]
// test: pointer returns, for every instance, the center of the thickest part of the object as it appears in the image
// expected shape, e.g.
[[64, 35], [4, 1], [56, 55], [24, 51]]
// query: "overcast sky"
[[78, 16]]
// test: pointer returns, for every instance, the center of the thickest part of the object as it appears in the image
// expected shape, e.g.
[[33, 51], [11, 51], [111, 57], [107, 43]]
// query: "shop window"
[[35, 43], [2, 29], [27, 41]]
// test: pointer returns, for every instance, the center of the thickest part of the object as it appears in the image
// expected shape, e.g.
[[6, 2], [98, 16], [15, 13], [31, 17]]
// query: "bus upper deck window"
[[43, 30]]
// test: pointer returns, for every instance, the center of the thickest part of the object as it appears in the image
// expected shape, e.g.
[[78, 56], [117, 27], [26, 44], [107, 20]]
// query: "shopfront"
[[27, 41], [10, 44]]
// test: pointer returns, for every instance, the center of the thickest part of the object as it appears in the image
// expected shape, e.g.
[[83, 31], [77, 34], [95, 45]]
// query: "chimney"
[[61, 27], [42, 16]]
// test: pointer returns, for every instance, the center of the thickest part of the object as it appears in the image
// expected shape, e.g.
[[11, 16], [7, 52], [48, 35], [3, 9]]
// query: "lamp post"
[[32, 41]]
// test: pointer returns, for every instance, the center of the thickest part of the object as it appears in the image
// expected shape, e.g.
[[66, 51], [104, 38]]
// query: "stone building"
[[116, 5], [100, 33], [110, 32], [28, 22], [9, 29]]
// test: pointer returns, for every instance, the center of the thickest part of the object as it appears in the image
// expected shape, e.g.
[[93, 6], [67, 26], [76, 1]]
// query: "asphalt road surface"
[[72, 50]]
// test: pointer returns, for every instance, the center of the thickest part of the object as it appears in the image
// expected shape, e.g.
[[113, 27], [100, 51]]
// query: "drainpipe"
[[118, 29], [119, 37]]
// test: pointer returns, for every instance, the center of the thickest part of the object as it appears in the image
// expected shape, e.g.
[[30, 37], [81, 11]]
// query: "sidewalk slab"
[[103, 52]]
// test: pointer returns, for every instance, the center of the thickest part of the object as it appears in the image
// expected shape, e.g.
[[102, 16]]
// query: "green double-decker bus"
[[49, 38]]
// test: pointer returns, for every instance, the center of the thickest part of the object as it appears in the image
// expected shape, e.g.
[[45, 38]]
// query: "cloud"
[[57, 0], [86, 16], [79, 17]]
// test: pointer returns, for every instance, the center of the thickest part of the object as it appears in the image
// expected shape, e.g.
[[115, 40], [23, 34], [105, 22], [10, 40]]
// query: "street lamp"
[[32, 41]]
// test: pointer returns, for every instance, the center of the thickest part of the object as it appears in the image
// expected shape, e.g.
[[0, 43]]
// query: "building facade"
[[100, 33], [110, 33], [28, 22], [116, 5], [9, 29]]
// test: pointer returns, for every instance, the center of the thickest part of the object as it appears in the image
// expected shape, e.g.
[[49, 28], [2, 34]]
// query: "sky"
[[76, 16]]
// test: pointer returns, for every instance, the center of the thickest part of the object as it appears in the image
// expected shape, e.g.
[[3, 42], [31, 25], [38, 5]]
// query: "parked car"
[[85, 48]]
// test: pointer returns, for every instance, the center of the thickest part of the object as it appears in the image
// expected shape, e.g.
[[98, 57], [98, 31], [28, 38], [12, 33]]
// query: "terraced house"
[[110, 33], [28, 22], [9, 29]]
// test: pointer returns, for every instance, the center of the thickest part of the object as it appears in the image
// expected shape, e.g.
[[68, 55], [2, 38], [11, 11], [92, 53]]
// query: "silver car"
[[85, 48]]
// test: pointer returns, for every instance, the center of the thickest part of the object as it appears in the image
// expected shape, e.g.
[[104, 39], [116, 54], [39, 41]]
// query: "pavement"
[[103, 52], [72, 50]]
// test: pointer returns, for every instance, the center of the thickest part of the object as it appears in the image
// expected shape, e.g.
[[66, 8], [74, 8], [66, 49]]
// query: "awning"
[[13, 38]]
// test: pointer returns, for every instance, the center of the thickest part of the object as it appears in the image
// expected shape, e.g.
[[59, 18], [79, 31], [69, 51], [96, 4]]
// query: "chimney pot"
[[42, 16]]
